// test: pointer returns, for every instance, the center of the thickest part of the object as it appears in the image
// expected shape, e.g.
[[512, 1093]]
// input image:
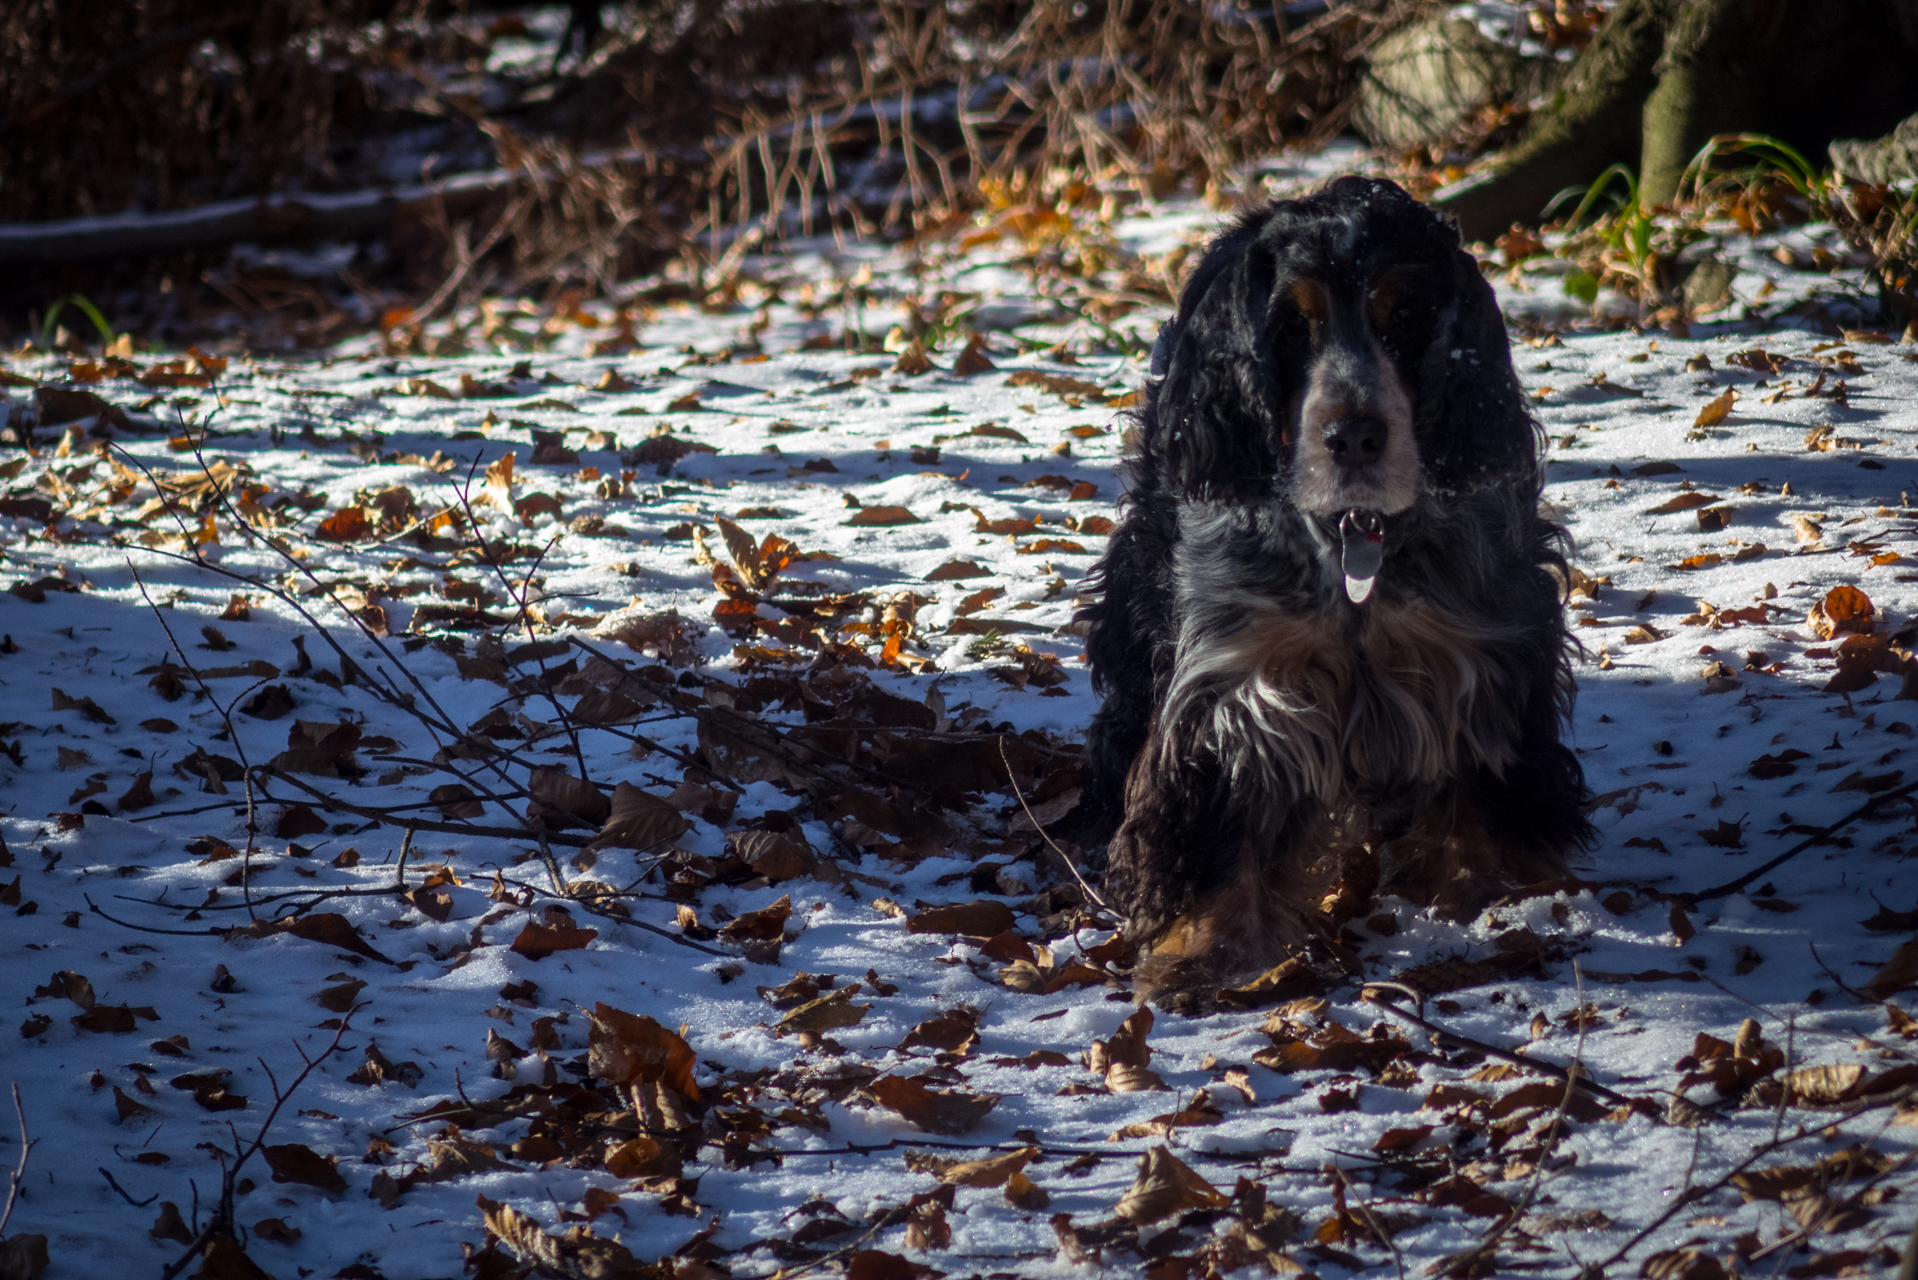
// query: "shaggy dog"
[[1329, 629]]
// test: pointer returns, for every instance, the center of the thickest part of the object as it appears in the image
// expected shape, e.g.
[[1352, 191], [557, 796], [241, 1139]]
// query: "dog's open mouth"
[[1361, 551]]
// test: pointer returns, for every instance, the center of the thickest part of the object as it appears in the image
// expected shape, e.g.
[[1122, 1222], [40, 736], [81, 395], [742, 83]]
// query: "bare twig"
[[221, 1221], [1864, 810], [17, 1176], [1679, 1202], [1092, 894], [1492, 1050]]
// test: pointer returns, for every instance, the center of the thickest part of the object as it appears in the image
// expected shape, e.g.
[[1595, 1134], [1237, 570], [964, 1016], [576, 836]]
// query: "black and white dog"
[[1329, 628]]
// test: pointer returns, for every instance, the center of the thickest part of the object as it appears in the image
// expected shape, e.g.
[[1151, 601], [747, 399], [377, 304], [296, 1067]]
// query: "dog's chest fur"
[[1307, 697]]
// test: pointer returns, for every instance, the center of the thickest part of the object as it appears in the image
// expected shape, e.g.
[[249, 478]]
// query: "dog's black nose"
[[1356, 441]]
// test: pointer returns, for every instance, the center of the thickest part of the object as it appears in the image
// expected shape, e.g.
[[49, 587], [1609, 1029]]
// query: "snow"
[[1673, 755]]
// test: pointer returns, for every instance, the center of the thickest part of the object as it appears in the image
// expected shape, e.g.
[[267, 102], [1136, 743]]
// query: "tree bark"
[[1664, 76], [1699, 92], [1592, 121]]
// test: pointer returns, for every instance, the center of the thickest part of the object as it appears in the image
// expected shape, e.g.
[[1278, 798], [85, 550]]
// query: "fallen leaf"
[[952, 570], [1288, 980], [992, 1172], [339, 999], [1717, 411], [1844, 608], [561, 800], [629, 1048], [983, 918], [956, 1031], [643, 1157], [1165, 1186], [763, 925], [1057, 384], [348, 524], [129, 1108], [874, 516], [950, 1111], [66, 984], [537, 941], [827, 1013], [1683, 502], [638, 819], [1897, 973], [297, 1162]]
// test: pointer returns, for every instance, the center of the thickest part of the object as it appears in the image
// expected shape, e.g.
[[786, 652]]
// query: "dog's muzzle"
[[1356, 441], [1361, 551]]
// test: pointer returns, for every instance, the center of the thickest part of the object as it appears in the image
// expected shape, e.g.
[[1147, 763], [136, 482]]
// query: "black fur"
[[1216, 455]]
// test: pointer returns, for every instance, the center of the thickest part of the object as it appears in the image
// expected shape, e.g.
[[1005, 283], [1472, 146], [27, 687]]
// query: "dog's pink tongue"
[[1361, 552]]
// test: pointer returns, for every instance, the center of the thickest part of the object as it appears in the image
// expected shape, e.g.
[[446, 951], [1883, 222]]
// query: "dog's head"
[[1342, 351]]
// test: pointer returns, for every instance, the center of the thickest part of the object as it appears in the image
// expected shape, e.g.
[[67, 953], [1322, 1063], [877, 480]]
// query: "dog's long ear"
[[1473, 423], [1214, 417]]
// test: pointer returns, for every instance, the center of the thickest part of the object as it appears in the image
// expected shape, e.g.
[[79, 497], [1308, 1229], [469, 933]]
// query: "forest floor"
[[846, 580]]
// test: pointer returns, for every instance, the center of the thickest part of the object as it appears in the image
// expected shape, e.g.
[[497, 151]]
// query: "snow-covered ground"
[[1704, 551]]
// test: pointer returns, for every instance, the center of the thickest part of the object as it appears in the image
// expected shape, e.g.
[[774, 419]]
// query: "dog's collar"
[[1361, 551]]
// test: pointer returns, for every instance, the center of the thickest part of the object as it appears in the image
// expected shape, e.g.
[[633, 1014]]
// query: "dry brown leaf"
[[992, 1172], [1683, 502], [631, 1048], [577, 1253], [537, 941], [1057, 384], [561, 800], [974, 358], [882, 516], [297, 1162], [1022, 1193], [1196, 1114], [764, 925], [824, 1014], [456, 801], [348, 524], [1717, 411], [66, 984], [1844, 608], [955, 1031], [952, 570], [984, 918], [325, 927], [1163, 1187], [339, 999], [914, 361], [951, 1111], [1127, 1045], [129, 1108], [638, 819], [774, 855], [1899, 972], [642, 1157], [1288, 980], [1823, 1085]]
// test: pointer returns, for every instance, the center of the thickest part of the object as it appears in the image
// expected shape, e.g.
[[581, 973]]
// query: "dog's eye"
[[1310, 298], [1383, 294]]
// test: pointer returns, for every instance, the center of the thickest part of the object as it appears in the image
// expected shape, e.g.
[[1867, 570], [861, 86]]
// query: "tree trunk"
[[1664, 76], [1699, 92], [1592, 121]]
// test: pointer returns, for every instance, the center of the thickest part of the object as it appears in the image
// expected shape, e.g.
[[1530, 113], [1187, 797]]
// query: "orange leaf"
[[1717, 411], [1683, 502], [537, 941], [348, 524]]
